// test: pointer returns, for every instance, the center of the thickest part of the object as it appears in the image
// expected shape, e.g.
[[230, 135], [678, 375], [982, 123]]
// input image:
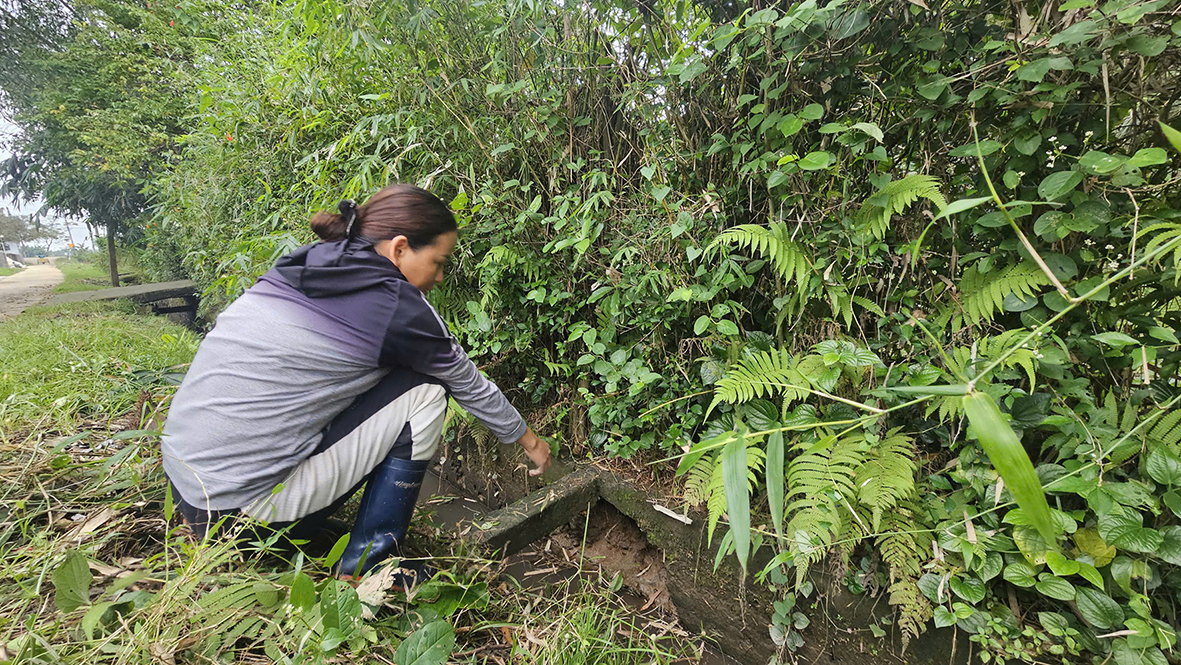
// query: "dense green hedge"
[[595, 154]]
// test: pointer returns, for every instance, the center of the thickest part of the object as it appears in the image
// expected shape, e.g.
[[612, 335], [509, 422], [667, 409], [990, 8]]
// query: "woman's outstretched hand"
[[537, 449]]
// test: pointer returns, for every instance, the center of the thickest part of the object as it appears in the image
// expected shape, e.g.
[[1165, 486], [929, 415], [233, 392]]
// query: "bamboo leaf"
[[1011, 461], [775, 480], [737, 496]]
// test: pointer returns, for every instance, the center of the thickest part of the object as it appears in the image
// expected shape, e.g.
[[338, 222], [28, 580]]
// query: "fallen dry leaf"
[[92, 524]]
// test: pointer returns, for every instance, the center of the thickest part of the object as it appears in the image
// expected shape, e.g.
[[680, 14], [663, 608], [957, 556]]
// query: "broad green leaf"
[[429, 645], [871, 129], [1123, 530], [812, 112], [727, 327], [1098, 609], [790, 125], [1090, 574], [692, 70], [932, 89], [1115, 339], [775, 478], [1148, 157], [990, 566], [333, 637], [1027, 143], [1171, 134], [1100, 162], [1170, 548], [1054, 623], [71, 582], [815, 160], [94, 617], [303, 592], [968, 588], [1011, 462], [1075, 34], [1163, 334], [734, 475], [340, 606], [1054, 587], [1172, 499], [944, 617], [850, 23], [1035, 71], [776, 178], [1062, 522], [1020, 574], [724, 35], [987, 147], [1061, 565], [1058, 185], [1164, 466]]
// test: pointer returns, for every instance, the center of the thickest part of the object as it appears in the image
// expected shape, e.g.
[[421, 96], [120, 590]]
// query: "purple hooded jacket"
[[321, 327]]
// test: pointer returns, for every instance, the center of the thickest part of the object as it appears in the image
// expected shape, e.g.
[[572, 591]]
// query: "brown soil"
[[616, 545]]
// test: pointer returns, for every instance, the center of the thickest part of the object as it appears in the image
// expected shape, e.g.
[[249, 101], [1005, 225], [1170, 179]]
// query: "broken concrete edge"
[[573, 491], [530, 519], [689, 550]]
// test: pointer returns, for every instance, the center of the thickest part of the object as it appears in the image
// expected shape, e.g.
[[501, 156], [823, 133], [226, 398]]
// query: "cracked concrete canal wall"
[[735, 613]]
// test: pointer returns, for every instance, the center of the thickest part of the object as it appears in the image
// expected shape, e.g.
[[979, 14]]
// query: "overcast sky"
[[78, 230]]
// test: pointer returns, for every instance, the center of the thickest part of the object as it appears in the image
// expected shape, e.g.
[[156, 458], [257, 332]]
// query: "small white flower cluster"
[[1089, 242]]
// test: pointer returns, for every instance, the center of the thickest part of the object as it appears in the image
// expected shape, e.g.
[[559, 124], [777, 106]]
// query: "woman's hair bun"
[[329, 226]]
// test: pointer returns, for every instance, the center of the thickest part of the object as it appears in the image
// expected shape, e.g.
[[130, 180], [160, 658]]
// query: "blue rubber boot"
[[384, 515]]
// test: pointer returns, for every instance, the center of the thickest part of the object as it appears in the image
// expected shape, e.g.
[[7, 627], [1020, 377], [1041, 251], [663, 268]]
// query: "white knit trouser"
[[324, 477]]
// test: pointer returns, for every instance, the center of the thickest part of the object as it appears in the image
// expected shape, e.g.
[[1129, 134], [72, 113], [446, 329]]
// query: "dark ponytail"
[[396, 210]]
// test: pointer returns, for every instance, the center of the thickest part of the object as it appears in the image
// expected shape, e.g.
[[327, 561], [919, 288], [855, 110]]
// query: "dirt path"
[[27, 288]]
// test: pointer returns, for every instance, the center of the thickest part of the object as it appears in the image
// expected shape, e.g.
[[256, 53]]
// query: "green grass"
[[82, 276], [59, 364], [91, 572], [5, 272]]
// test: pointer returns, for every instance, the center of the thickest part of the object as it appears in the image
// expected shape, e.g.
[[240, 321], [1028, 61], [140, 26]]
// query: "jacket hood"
[[326, 269]]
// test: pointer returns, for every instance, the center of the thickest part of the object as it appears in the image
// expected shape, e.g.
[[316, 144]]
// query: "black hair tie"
[[348, 212]]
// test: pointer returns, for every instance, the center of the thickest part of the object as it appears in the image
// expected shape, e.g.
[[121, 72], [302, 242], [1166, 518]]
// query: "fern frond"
[[716, 502], [773, 243], [983, 294], [887, 477], [895, 198], [1167, 430], [914, 610], [985, 349], [820, 485], [697, 479], [758, 374], [905, 553], [1165, 233]]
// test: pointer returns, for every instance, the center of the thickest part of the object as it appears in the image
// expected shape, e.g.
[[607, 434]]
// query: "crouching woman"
[[330, 373]]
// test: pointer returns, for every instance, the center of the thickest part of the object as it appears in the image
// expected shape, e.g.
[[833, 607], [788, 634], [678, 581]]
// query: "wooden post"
[[111, 226]]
